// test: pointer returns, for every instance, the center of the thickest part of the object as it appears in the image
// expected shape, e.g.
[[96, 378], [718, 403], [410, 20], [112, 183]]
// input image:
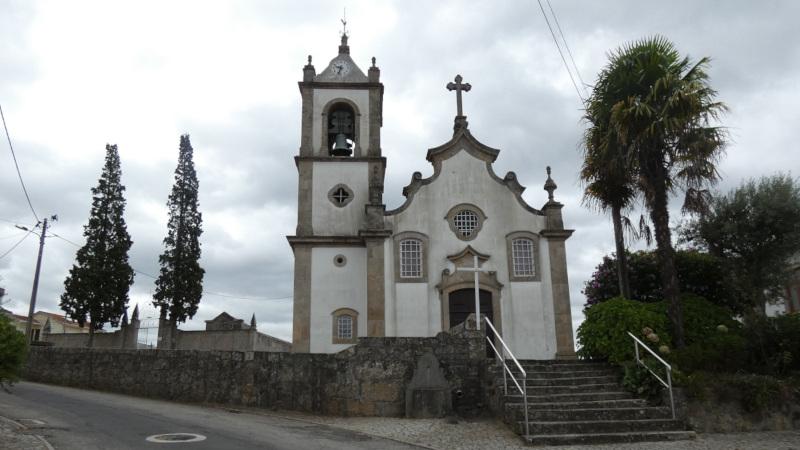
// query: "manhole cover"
[[174, 438]]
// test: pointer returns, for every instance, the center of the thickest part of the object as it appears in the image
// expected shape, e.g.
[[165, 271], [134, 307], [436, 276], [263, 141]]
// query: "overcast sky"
[[77, 75]]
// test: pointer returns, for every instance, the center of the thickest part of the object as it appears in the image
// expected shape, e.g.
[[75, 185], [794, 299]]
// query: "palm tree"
[[660, 112], [607, 183]]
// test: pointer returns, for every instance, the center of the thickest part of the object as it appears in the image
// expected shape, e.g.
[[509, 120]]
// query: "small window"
[[410, 258], [340, 195], [522, 257], [344, 327], [465, 221]]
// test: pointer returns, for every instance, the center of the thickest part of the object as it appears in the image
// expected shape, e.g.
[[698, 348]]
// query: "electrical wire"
[[558, 47], [13, 155], [204, 291], [566, 45], [17, 244]]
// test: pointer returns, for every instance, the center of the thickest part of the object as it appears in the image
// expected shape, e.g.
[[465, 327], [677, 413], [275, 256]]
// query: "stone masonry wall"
[[368, 379]]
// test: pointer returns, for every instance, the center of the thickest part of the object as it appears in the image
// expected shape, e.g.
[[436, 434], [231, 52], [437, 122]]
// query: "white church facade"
[[364, 270]]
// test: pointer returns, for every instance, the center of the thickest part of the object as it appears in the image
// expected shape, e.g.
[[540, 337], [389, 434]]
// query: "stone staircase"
[[580, 402]]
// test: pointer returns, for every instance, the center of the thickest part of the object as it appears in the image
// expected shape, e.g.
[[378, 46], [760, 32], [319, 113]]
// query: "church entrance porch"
[[461, 303]]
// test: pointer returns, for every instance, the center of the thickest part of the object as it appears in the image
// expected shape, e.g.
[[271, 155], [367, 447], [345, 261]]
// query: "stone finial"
[[374, 73], [135, 315], [125, 318], [308, 71], [344, 49], [549, 185], [253, 321]]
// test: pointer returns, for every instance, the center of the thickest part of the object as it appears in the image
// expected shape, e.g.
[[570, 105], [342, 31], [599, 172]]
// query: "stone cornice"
[[339, 85], [368, 159], [374, 234], [454, 145], [556, 234], [326, 241]]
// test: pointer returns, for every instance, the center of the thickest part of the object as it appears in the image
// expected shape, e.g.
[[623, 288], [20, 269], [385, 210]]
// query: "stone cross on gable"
[[458, 87]]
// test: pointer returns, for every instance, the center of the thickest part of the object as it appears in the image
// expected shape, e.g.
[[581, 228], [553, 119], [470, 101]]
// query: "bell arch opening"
[[341, 124]]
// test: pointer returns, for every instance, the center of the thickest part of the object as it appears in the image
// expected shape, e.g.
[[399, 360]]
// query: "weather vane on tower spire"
[[344, 22]]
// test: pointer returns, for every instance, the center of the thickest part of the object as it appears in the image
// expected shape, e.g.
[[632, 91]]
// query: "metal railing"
[[501, 356], [667, 384]]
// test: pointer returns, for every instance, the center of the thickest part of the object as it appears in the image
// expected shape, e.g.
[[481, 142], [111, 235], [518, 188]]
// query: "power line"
[[17, 244], [204, 291], [13, 155], [558, 47], [566, 45]]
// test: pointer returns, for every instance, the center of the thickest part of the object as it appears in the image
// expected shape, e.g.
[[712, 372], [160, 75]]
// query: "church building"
[[364, 270]]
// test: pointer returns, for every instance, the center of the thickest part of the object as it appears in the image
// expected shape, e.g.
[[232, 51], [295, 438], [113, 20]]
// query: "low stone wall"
[[224, 340], [368, 379], [118, 339]]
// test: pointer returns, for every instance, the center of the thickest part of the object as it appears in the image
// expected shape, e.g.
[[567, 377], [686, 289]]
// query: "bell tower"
[[340, 224]]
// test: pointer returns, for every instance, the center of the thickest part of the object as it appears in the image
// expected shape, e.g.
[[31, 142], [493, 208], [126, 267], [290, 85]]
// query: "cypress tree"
[[180, 281], [98, 283]]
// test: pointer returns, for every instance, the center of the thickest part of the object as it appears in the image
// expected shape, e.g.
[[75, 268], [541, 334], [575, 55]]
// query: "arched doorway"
[[461, 303]]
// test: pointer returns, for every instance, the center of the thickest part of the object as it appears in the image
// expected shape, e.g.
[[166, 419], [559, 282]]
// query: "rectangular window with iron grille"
[[522, 256], [410, 258], [344, 325]]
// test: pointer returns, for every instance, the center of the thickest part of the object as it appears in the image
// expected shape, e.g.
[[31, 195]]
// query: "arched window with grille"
[[345, 326]]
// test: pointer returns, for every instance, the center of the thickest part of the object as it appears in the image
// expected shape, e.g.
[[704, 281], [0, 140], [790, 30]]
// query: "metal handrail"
[[501, 356], [667, 384]]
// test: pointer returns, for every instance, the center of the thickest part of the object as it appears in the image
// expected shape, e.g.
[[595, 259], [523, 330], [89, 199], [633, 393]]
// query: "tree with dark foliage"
[[96, 290], [180, 282], [756, 229]]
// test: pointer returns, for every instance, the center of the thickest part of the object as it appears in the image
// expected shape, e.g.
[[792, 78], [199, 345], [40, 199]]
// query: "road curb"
[[23, 427]]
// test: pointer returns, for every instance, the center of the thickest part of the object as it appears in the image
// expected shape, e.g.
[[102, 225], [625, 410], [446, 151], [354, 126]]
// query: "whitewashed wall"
[[526, 307], [333, 288]]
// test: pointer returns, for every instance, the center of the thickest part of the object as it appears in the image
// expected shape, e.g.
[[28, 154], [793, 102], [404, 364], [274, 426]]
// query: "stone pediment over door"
[[460, 279]]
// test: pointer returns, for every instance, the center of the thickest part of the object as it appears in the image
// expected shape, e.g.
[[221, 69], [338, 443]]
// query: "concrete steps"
[[578, 402]]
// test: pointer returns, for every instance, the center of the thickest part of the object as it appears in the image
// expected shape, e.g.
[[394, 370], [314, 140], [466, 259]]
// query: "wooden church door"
[[461, 303]]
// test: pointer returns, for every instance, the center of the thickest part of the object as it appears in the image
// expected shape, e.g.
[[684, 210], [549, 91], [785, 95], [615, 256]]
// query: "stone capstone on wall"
[[368, 379]]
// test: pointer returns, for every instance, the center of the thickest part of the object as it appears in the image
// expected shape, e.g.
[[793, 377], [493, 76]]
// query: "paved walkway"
[[489, 434]]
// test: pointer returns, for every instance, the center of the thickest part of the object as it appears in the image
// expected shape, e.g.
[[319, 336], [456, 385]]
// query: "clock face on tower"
[[341, 68]]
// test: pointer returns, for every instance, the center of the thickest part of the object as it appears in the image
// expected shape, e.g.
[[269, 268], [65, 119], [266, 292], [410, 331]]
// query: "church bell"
[[341, 147]]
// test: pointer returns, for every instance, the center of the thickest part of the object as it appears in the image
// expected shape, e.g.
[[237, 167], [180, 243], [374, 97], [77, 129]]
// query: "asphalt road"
[[80, 419]]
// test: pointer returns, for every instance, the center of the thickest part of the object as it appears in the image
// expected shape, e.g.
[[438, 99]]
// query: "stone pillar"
[[301, 320], [305, 172], [376, 285], [556, 236]]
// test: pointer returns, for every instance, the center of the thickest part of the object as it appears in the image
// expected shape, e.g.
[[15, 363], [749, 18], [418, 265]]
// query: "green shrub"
[[640, 381], [700, 318], [604, 333], [774, 343], [754, 393], [719, 352], [12, 352]]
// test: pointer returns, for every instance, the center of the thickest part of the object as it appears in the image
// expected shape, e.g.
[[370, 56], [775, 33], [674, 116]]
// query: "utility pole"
[[29, 325]]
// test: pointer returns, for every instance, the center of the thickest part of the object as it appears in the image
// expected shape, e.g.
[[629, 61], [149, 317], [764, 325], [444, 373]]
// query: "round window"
[[466, 221], [339, 260]]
